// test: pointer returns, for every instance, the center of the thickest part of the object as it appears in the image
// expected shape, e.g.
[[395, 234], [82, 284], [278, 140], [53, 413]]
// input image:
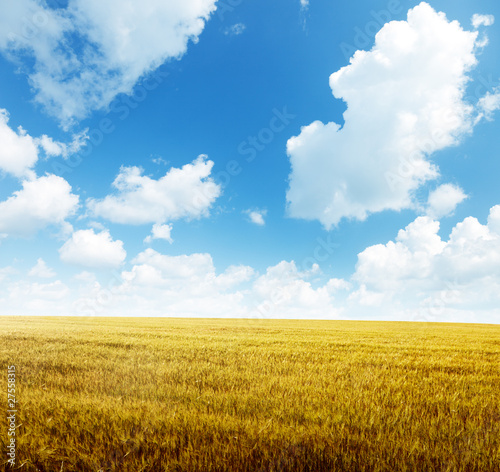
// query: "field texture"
[[225, 395]]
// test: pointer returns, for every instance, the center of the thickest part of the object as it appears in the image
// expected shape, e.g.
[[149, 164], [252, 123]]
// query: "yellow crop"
[[142, 394]]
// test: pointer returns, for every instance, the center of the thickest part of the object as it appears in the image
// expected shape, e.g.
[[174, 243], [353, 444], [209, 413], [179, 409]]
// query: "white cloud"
[[235, 30], [185, 285], [284, 292], [257, 216], [116, 45], [489, 104], [482, 20], [55, 148], [304, 4], [160, 232], [443, 200], [88, 249], [188, 192], [41, 270], [41, 202], [335, 285], [420, 276], [189, 285], [18, 151], [6, 272], [34, 298], [405, 100]]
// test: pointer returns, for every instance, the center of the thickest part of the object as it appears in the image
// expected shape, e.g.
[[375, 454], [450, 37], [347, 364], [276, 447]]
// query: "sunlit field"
[[237, 395]]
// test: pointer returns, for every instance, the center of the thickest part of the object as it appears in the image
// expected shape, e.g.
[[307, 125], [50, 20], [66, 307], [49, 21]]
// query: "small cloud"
[[443, 200], [55, 148], [481, 20], [96, 225], [257, 216], [336, 285], [158, 160], [235, 30], [489, 104], [41, 270], [88, 249], [304, 4], [160, 232]]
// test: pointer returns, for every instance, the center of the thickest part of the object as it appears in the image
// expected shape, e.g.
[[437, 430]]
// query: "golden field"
[[142, 394]]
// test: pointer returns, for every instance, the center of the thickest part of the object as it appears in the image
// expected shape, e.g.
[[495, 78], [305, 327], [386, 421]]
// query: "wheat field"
[[142, 394]]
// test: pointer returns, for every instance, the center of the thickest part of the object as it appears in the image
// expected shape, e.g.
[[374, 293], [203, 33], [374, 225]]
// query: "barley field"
[[142, 394]]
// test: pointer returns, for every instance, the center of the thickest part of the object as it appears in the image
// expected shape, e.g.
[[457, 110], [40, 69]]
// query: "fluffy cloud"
[[482, 20], [489, 104], [115, 44], [35, 298], [185, 285], [42, 202], [283, 291], [257, 216], [88, 249], [19, 152], [41, 270], [421, 276], [405, 100], [189, 285], [443, 200], [188, 192], [55, 148], [160, 232]]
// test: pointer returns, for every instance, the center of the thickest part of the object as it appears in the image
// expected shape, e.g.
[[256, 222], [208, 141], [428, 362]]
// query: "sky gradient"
[[313, 159]]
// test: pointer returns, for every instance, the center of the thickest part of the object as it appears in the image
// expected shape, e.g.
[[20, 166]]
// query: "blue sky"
[[239, 159]]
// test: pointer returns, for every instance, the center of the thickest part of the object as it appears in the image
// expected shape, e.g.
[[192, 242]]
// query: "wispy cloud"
[[235, 30]]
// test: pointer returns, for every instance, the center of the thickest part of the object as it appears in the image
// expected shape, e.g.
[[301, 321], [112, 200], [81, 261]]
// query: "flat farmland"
[[143, 394]]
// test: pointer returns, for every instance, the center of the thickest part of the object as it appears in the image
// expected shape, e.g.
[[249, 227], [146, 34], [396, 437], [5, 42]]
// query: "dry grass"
[[226, 395]]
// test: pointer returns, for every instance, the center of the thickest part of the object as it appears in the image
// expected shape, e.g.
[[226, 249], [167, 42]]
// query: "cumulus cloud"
[[489, 104], [405, 100], [284, 291], [482, 20], [185, 285], [189, 285], [257, 216], [421, 276], [160, 232], [443, 200], [89, 249], [41, 270], [188, 192], [20, 152], [42, 202], [34, 298], [54, 148], [79, 57]]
